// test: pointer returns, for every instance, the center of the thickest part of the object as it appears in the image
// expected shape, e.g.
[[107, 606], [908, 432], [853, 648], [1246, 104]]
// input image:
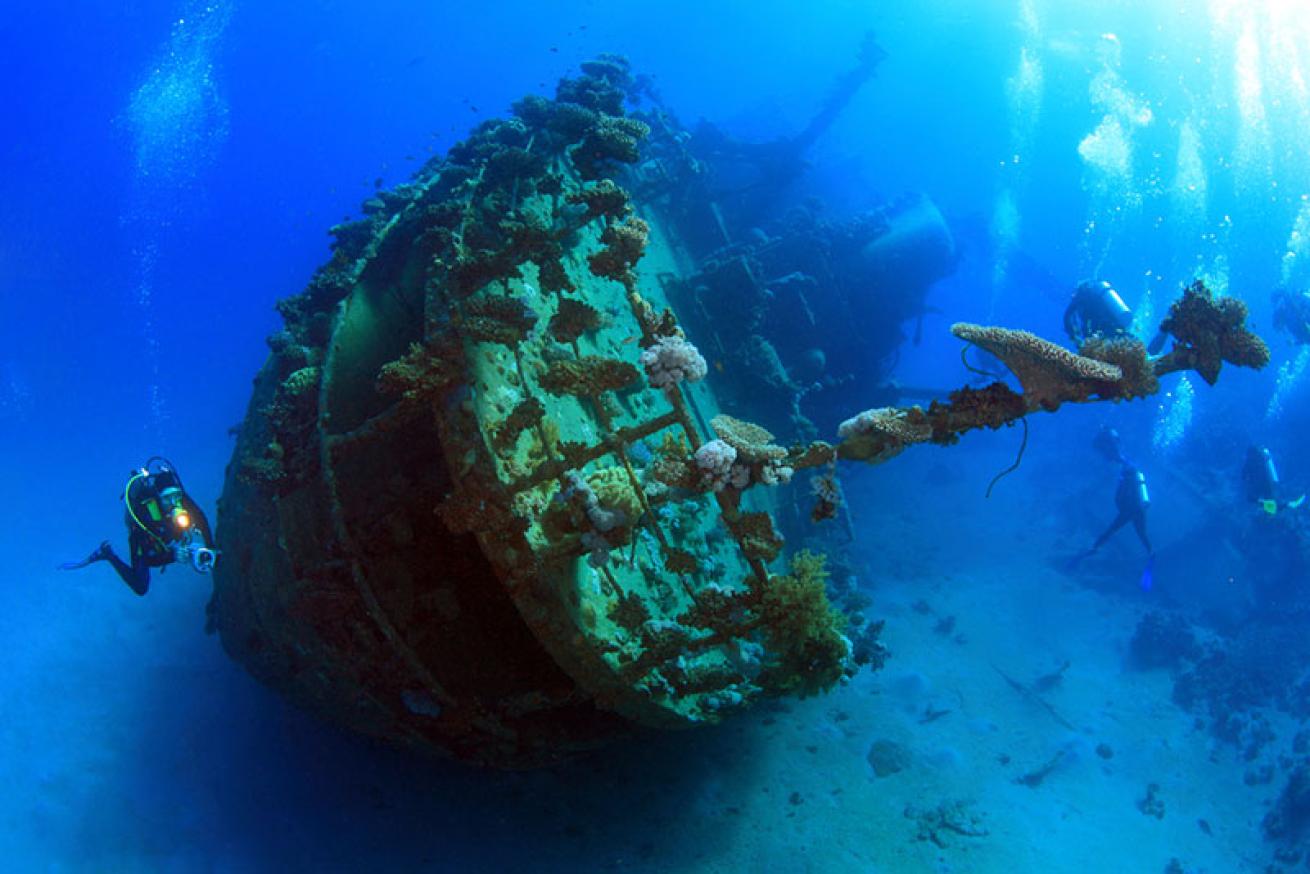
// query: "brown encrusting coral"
[[1137, 380], [572, 319], [1210, 331], [528, 414], [624, 245], [603, 200], [425, 373], [497, 318], [588, 375]]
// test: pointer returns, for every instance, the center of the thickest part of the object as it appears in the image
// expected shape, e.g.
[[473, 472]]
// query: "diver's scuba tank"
[[1270, 469], [1260, 476], [1132, 487], [1109, 306], [1143, 495]]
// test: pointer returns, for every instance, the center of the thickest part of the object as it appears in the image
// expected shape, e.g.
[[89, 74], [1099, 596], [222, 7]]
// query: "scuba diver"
[[1292, 314], [1097, 308], [1260, 482], [1131, 501], [164, 525]]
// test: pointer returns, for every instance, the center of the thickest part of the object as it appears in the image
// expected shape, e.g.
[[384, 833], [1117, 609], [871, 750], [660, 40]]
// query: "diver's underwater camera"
[[201, 558]]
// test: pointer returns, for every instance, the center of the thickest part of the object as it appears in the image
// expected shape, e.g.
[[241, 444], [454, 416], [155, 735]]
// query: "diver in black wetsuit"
[[164, 525], [1131, 498], [1260, 476], [1261, 484], [1096, 308]]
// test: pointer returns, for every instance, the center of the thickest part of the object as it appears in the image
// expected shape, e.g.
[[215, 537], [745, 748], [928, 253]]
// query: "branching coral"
[[671, 361], [602, 86], [1049, 374], [968, 408], [1209, 332], [291, 454], [827, 497], [589, 375], [629, 612]]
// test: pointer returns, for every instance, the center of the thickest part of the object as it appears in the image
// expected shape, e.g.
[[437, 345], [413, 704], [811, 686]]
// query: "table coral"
[[1048, 373], [758, 458]]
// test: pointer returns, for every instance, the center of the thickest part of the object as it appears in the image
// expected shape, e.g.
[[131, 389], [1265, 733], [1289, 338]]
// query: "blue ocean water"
[[170, 172]]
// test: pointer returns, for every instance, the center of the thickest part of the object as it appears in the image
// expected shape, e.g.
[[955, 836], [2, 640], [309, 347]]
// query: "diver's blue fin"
[[1148, 575]]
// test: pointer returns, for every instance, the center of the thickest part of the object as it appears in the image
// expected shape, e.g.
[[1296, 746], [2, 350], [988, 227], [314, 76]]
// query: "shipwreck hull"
[[466, 514]]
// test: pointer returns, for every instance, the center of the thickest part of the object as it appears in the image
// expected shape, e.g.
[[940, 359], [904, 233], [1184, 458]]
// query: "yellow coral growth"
[[614, 491], [804, 633]]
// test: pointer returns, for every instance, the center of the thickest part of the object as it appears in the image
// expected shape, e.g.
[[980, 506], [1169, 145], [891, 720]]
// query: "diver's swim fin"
[[1148, 575], [102, 552], [1073, 562]]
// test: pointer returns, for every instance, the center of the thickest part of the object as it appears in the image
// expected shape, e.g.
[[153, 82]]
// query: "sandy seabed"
[[131, 744]]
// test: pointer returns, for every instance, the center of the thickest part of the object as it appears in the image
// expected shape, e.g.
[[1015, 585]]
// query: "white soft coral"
[[673, 360]]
